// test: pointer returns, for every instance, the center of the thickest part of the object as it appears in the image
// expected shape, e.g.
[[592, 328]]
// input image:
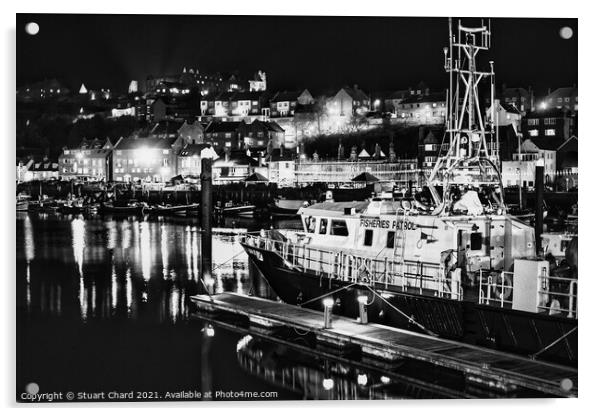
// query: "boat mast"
[[468, 156]]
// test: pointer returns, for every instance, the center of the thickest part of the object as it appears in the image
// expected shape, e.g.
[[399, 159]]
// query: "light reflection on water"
[[136, 276], [121, 267]]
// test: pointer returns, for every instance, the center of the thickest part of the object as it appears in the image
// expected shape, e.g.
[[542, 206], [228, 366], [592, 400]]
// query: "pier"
[[490, 368]]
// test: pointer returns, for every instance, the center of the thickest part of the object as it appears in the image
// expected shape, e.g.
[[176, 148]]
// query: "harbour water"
[[102, 306]]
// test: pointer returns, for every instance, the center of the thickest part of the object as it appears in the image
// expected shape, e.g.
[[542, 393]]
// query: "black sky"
[[296, 52]]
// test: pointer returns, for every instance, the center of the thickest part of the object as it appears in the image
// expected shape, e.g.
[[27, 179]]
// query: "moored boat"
[[130, 209], [449, 261], [286, 207], [241, 209], [170, 209]]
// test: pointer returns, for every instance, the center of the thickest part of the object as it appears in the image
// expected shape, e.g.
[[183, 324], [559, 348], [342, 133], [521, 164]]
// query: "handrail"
[[558, 295], [351, 267]]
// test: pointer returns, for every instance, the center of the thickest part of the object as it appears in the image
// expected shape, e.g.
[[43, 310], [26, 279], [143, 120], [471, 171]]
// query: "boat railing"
[[557, 295], [410, 275], [554, 295], [496, 287]]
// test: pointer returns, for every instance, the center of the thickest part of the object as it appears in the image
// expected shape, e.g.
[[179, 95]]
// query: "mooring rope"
[[217, 267], [409, 318], [328, 294], [554, 343]]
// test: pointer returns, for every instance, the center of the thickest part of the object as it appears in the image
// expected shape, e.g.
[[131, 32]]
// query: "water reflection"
[[104, 268]]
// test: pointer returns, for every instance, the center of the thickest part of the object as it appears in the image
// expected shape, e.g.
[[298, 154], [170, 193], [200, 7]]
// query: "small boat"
[[130, 209], [170, 209], [287, 207], [72, 206], [23, 202], [243, 209]]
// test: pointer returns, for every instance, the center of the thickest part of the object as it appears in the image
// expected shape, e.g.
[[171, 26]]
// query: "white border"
[[591, 135]]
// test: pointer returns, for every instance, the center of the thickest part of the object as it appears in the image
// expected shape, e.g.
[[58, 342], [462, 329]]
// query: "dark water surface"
[[102, 307]]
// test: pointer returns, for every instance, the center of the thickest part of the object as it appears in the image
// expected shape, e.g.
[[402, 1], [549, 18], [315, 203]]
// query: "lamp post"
[[328, 304], [520, 187], [362, 301]]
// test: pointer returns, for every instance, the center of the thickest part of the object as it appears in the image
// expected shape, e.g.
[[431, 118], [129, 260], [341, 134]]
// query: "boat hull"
[[500, 328]]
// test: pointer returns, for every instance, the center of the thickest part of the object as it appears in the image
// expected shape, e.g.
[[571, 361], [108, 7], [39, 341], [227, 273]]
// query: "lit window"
[[534, 133], [550, 132]]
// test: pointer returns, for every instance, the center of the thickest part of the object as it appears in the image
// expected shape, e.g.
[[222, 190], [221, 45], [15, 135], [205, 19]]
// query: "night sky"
[[296, 52]]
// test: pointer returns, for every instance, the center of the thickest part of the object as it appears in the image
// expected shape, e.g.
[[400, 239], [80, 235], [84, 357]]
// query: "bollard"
[[362, 301], [328, 303]]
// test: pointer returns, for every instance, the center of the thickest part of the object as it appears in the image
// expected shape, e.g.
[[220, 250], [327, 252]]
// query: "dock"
[[491, 368]]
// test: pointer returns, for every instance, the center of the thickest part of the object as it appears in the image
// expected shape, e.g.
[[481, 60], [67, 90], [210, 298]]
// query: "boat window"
[[339, 227], [310, 222], [368, 237], [323, 225], [390, 239], [476, 241]]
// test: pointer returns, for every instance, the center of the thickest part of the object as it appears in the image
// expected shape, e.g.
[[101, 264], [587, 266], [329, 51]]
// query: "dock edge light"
[[362, 379], [209, 330], [328, 383], [385, 379], [328, 302]]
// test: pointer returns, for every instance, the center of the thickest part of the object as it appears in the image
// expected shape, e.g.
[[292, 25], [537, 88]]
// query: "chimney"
[[282, 150]]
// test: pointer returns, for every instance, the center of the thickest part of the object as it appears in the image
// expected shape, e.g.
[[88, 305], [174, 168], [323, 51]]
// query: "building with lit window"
[[505, 114], [550, 124], [281, 167], [260, 133], [234, 166], [225, 134], [36, 169], [148, 156], [43, 90], [189, 158], [91, 161], [521, 98], [430, 146], [422, 108], [521, 169], [561, 98]]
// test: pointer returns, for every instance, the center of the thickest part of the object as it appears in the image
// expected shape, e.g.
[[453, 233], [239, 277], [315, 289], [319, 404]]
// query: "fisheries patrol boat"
[[449, 261]]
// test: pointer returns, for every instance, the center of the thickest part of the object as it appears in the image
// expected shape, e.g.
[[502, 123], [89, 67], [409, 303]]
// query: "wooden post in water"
[[539, 185], [205, 212]]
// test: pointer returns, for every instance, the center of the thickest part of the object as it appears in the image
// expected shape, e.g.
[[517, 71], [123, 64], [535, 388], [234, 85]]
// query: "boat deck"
[[496, 369]]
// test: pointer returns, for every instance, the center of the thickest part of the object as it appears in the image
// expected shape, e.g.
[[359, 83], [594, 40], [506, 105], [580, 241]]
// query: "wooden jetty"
[[491, 368]]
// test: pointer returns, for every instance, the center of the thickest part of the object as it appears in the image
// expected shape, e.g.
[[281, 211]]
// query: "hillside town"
[[285, 137]]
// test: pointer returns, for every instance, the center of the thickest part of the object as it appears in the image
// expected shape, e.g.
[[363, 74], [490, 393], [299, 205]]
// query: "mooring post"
[[328, 303], [206, 210], [362, 301], [539, 186]]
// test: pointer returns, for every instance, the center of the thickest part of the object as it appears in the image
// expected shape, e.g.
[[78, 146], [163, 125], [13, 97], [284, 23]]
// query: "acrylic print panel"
[[324, 215]]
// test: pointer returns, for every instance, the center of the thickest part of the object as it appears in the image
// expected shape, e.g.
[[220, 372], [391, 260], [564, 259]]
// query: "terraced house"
[[90, 161], [148, 156]]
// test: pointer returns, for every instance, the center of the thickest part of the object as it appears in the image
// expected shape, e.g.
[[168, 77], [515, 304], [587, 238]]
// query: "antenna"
[[468, 158]]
